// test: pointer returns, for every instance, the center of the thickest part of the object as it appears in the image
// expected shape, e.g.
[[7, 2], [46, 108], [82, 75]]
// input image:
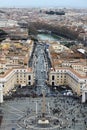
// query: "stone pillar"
[[43, 105], [1, 93], [83, 97]]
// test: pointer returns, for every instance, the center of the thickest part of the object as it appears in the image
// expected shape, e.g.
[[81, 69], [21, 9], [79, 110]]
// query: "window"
[[52, 77], [29, 83], [52, 83], [57, 76], [64, 81], [29, 77]]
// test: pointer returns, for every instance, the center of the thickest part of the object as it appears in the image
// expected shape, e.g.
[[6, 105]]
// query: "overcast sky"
[[44, 3]]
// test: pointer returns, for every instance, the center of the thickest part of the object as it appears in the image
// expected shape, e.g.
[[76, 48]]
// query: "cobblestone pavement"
[[62, 107]]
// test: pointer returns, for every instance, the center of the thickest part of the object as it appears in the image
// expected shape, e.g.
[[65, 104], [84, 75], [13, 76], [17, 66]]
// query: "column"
[[83, 97], [1, 94]]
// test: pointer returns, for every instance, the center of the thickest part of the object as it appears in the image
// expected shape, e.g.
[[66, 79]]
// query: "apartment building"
[[78, 65], [58, 48]]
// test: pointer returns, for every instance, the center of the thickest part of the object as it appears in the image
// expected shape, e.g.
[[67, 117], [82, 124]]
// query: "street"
[[40, 65]]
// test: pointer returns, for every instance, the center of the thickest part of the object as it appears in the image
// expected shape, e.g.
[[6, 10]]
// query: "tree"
[[3, 34], [32, 30]]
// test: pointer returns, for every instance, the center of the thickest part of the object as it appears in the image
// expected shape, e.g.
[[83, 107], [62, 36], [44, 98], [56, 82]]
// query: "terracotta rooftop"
[[73, 71]]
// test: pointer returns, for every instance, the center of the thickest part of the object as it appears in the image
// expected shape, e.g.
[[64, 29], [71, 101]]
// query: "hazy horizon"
[[44, 3]]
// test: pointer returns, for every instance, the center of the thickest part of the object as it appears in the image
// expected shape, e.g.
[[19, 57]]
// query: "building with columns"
[[15, 77], [67, 76], [84, 93]]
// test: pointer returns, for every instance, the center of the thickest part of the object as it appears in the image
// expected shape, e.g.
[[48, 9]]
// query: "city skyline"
[[44, 3]]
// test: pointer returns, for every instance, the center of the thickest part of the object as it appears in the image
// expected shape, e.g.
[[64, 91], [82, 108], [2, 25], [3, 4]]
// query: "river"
[[48, 37]]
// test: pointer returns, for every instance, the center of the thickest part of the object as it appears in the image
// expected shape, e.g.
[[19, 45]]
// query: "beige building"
[[15, 77], [58, 48], [14, 71], [67, 76], [78, 65]]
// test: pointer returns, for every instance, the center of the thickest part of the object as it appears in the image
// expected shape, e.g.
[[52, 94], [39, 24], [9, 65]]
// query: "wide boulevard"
[[41, 64]]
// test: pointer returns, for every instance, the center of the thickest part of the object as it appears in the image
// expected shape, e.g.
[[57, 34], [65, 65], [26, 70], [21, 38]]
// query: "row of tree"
[[55, 29], [3, 35]]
